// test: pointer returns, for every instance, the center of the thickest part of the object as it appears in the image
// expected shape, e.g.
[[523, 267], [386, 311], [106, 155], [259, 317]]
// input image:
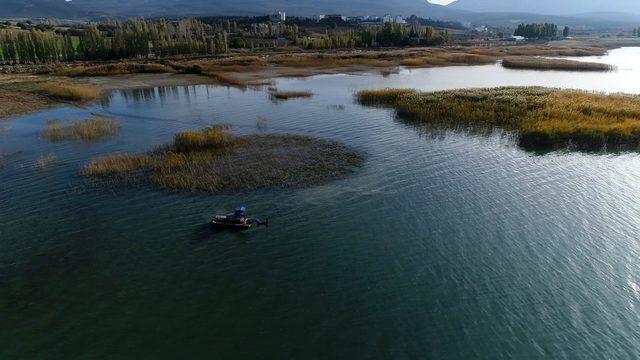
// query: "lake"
[[446, 244]]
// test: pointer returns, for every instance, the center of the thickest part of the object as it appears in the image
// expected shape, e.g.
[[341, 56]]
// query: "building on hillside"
[[333, 17], [386, 18], [278, 16], [399, 20], [515, 38]]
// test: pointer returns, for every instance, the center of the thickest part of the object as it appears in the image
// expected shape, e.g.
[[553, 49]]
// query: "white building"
[[278, 16]]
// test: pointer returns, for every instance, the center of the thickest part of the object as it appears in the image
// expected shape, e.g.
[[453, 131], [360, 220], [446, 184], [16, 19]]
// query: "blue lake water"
[[444, 245]]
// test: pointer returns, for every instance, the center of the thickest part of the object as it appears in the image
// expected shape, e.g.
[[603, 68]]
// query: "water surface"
[[444, 245]]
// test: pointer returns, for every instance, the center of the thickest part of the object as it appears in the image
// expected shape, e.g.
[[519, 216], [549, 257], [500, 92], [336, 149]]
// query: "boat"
[[236, 220]]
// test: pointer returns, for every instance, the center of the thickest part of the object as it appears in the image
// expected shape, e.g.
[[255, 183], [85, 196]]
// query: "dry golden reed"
[[96, 128], [68, 92], [538, 63], [540, 117]]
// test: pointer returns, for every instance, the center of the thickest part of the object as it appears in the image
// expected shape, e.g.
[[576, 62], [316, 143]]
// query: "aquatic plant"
[[211, 138], [68, 92], [538, 63], [227, 79], [112, 69], [540, 117], [383, 96], [45, 161], [96, 128], [246, 162], [116, 165], [286, 95]]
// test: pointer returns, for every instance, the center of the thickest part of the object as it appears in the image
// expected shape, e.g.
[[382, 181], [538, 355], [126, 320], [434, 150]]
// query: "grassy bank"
[[541, 118], [90, 130], [538, 63], [214, 160], [112, 69]]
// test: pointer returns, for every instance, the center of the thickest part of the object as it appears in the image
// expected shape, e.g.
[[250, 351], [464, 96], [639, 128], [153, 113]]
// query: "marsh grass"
[[211, 138], [383, 96], [44, 161], [286, 95], [113, 69], [237, 163], [322, 61], [538, 63], [541, 118], [90, 130], [68, 92], [227, 79], [116, 165]]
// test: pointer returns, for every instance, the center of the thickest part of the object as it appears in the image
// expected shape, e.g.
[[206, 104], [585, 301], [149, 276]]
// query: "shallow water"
[[444, 245]]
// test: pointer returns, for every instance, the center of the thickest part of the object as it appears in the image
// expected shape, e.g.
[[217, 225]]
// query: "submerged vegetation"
[[94, 129], [538, 63], [540, 117], [44, 161], [286, 95], [214, 160]]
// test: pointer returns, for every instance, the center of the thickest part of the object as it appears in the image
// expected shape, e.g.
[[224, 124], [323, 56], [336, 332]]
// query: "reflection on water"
[[452, 244]]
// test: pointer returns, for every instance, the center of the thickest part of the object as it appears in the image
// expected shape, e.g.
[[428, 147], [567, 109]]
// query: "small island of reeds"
[[214, 160], [96, 128], [541, 118], [540, 63], [286, 95]]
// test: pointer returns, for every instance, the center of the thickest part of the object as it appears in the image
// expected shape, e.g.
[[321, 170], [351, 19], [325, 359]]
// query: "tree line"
[[537, 31], [113, 40], [388, 34]]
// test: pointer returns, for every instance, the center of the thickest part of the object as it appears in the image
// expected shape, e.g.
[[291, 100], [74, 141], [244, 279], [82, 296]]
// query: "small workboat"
[[236, 220]]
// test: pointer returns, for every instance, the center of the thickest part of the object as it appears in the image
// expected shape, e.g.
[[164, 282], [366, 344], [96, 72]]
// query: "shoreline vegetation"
[[98, 127], [541, 118], [47, 84], [287, 95], [214, 160], [539, 63]]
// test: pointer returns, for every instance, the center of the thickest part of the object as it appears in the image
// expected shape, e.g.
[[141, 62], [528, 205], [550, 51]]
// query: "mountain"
[[145, 8], [550, 7], [38, 8]]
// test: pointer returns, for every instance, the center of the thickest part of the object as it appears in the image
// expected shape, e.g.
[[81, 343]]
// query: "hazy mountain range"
[[478, 11], [57, 8], [552, 7]]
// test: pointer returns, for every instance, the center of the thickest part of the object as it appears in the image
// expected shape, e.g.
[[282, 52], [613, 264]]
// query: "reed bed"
[[286, 95], [541, 118], [538, 63], [113, 69], [211, 138], [227, 79], [236, 163], [45, 161], [90, 130], [116, 165], [330, 61], [383, 96], [68, 92]]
